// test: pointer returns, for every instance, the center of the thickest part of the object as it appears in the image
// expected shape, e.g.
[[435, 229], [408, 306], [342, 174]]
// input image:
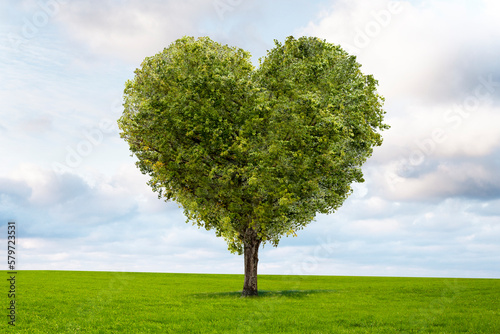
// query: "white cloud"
[[134, 29], [410, 48], [373, 228], [76, 204], [444, 180], [440, 131]]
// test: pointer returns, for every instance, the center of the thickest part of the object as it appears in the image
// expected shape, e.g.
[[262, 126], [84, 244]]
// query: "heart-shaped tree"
[[252, 153]]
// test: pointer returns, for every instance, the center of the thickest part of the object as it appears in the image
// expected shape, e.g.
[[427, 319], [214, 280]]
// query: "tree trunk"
[[251, 254]]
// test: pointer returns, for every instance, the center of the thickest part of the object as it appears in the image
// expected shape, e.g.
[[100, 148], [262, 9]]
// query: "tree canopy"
[[252, 153]]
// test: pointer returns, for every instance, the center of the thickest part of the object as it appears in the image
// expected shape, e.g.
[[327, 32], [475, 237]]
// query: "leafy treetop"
[[242, 148]]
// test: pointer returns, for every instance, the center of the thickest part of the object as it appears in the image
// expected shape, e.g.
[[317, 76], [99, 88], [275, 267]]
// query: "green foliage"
[[240, 147], [119, 302]]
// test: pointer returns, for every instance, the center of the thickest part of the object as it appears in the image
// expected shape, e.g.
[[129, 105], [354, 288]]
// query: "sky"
[[430, 205]]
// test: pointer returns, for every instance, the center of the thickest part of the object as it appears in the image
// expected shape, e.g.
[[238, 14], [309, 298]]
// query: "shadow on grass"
[[266, 294]]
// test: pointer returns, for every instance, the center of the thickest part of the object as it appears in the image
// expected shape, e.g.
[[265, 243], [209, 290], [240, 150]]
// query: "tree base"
[[249, 293]]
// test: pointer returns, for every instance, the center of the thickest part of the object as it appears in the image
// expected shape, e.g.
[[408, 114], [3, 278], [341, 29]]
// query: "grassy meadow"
[[107, 302]]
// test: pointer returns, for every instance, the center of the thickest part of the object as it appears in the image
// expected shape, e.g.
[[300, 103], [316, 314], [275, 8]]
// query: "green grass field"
[[104, 302]]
